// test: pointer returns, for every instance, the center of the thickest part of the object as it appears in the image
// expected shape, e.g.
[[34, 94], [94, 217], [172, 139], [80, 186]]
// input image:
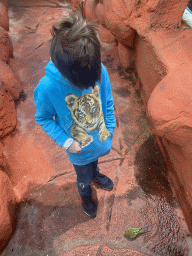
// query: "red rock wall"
[[150, 68], [164, 65], [10, 89], [7, 209], [167, 94], [152, 40]]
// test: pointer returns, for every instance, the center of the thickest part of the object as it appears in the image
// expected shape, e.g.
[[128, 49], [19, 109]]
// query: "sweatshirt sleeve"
[[44, 117], [110, 118]]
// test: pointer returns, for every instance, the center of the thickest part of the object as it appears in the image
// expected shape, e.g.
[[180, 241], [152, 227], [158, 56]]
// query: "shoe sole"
[[90, 215]]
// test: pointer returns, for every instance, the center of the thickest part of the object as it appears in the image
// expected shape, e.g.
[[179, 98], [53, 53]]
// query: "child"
[[74, 103]]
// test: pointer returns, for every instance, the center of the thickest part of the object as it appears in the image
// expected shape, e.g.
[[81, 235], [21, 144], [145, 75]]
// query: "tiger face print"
[[87, 114], [85, 110]]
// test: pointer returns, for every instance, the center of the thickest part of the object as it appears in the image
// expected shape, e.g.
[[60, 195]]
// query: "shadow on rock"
[[14, 219], [51, 211], [166, 236], [151, 172]]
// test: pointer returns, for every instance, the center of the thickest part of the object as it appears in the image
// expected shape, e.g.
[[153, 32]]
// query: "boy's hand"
[[75, 147]]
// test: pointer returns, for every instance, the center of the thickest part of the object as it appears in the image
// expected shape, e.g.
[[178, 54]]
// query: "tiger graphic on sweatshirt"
[[87, 114]]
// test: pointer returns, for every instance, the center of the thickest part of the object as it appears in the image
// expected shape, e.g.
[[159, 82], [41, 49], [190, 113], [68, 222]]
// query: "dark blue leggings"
[[85, 175]]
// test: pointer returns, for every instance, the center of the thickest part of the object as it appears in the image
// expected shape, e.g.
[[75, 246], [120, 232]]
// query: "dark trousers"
[[85, 175]]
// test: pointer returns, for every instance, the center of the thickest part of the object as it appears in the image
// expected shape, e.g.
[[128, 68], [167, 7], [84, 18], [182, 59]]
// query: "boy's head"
[[75, 51]]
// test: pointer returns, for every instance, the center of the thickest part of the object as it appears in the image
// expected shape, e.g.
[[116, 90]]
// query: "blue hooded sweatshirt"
[[64, 111]]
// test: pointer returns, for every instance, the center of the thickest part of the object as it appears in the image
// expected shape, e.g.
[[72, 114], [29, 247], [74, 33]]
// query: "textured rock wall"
[[169, 110], [7, 209], [170, 116], [10, 89], [151, 39], [150, 68]]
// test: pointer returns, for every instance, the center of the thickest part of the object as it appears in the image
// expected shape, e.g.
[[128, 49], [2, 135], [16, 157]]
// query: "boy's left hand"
[[75, 147]]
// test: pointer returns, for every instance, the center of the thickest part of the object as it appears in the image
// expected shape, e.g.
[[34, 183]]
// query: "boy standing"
[[74, 103]]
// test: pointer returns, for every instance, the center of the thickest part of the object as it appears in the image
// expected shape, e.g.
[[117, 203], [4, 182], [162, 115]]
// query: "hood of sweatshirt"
[[54, 73]]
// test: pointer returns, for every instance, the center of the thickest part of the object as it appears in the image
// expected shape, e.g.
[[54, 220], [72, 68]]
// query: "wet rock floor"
[[50, 217]]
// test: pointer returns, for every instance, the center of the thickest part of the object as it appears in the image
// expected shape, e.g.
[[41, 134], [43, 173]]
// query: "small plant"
[[81, 3], [93, 3]]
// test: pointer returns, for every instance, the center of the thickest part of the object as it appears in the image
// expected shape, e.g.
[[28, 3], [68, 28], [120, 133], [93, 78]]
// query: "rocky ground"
[[50, 218]]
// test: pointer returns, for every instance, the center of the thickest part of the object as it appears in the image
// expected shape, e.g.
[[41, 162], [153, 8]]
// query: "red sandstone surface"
[[7, 209], [4, 18], [153, 40], [8, 115], [6, 46], [50, 216]]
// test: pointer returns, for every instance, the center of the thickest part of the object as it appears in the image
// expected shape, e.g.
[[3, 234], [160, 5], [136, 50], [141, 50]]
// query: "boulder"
[[115, 17], [156, 14], [89, 10], [128, 39], [6, 45], [10, 83], [142, 15], [126, 55], [170, 107], [7, 209], [169, 112], [4, 18], [8, 116], [106, 36], [100, 13]]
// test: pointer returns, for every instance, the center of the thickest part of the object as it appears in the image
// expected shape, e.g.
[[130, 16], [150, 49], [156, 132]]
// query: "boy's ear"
[[96, 90], [70, 100]]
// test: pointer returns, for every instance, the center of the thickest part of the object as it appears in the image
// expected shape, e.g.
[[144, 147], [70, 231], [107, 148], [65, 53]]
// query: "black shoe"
[[104, 181], [89, 206]]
